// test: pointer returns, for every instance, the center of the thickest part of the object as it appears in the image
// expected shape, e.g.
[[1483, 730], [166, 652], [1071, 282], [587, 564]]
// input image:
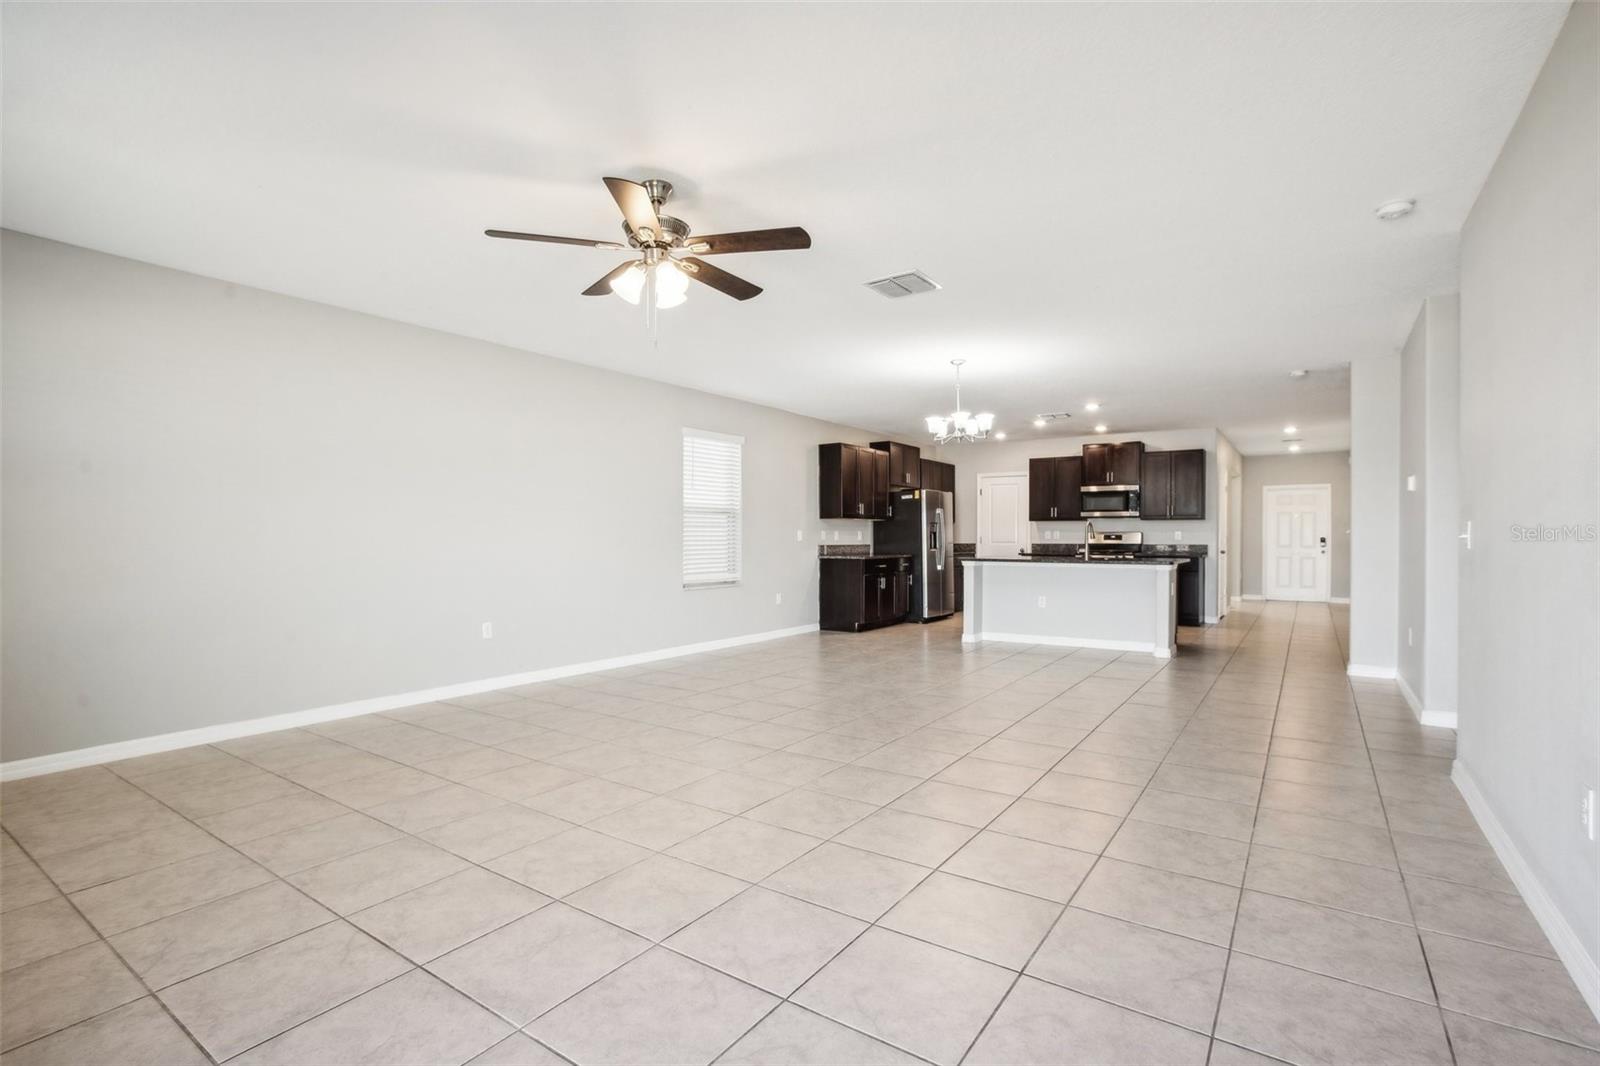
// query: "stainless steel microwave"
[[1110, 501]]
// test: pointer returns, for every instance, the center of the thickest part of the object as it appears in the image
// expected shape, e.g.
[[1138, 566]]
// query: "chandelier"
[[961, 425]]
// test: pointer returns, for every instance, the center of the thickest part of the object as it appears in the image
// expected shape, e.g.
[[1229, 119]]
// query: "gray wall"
[[1428, 493], [1374, 512], [1006, 457], [221, 503], [1307, 468], [1530, 455]]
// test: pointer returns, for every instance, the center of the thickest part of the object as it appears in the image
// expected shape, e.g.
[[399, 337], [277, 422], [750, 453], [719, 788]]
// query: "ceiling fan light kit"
[[660, 277], [961, 425]]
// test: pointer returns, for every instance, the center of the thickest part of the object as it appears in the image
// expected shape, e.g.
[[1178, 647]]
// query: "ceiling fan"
[[668, 255]]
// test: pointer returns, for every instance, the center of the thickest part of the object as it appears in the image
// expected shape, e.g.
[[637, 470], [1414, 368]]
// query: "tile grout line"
[[973, 1043], [1244, 875]]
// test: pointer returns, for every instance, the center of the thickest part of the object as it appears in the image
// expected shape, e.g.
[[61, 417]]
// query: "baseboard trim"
[[1380, 673], [1252, 597], [1580, 964], [1338, 599], [1442, 719], [188, 738], [1068, 642]]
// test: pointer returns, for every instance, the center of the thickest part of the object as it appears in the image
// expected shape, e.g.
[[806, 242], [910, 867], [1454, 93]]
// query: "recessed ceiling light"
[[1091, 406], [1294, 447], [1395, 209], [1000, 435], [1099, 429], [1038, 423], [1298, 373], [1291, 430]]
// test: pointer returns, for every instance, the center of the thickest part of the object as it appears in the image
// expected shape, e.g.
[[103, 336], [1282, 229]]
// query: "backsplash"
[[846, 550]]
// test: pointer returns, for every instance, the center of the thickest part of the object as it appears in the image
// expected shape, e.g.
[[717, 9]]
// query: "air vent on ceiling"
[[897, 285]]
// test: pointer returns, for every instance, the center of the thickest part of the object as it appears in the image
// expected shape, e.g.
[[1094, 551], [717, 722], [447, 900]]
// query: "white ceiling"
[[1163, 207]]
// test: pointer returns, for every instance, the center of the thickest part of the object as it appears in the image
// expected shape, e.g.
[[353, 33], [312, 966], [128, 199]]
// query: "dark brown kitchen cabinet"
[[1069, 488], [1054, 485], [905, 464], [1173, 484], [1113, 464], [853, 481], [859, 593], [1155, 486], [1041, 490], [1189, 483], [937, 475]]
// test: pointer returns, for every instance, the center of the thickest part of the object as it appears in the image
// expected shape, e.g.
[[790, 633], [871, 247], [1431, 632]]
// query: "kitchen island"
[[1116, 604]]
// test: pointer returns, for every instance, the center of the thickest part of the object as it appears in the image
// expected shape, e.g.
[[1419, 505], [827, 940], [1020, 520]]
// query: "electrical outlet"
[[1411, 483], [858, 534], [1041, 601], [1587, 813], [488, 630], [778, 599], [799, 536], [1177, 534], [1410, 638]]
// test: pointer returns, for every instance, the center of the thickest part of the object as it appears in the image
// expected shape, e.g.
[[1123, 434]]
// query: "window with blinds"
[[712, 518]]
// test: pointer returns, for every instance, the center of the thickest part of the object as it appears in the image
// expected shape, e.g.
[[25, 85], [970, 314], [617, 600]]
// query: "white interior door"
[[1002, 515], [1294, 538]]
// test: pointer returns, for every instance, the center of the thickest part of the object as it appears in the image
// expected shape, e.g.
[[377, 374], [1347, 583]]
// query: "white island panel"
[[1117, 606]]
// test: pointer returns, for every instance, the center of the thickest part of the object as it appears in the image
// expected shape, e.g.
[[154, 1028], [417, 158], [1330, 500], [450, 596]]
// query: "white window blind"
[[712, 520]]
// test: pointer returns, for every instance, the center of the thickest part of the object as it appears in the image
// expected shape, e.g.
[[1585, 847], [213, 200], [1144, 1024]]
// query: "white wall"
[[222, 504], [1529, 740], [1004, 457], [1304, 468], [1428, 493], [1374, 513], [1230, 514]]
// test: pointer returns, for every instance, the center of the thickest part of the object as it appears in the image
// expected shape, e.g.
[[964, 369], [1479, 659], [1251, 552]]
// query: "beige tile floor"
[[882, 848]]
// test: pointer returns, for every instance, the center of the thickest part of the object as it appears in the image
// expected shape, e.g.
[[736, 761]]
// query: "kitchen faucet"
[[1088, 539]]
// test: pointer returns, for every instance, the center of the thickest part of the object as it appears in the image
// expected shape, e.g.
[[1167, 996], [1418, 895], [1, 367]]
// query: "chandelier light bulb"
[[936, 425], [985, 421]]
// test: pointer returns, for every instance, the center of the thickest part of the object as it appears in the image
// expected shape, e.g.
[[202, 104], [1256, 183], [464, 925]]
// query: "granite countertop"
[[1073, 560], [873, 555]]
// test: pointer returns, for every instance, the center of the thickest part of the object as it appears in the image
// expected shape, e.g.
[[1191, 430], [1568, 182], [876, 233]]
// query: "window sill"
[[688, 587]]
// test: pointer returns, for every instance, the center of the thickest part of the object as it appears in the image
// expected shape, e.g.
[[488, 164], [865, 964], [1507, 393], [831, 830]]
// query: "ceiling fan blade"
[[636, 207], [754, 240], [547, 239], [721, 280], [603, 286]]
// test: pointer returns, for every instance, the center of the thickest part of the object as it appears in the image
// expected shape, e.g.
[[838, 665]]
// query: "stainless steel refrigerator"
[[920, 527]]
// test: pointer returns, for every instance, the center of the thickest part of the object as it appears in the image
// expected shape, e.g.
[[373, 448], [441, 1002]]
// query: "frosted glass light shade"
[[671, 284], [630, 283]]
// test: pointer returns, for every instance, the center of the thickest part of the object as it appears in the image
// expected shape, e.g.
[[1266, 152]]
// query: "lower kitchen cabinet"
[[1191, 582], [864, 592]]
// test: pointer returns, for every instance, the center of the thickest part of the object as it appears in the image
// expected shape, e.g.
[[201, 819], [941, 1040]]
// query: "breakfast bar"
[[1116, 604]]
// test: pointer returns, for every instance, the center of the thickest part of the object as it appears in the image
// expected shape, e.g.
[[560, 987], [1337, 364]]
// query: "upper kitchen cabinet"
[[905, 464], [937, 475], [1173, 484], [1113, 464], [854, 481], [1054, 486]]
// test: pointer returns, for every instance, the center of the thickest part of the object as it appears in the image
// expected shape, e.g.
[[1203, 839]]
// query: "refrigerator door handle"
[[938, 537]]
